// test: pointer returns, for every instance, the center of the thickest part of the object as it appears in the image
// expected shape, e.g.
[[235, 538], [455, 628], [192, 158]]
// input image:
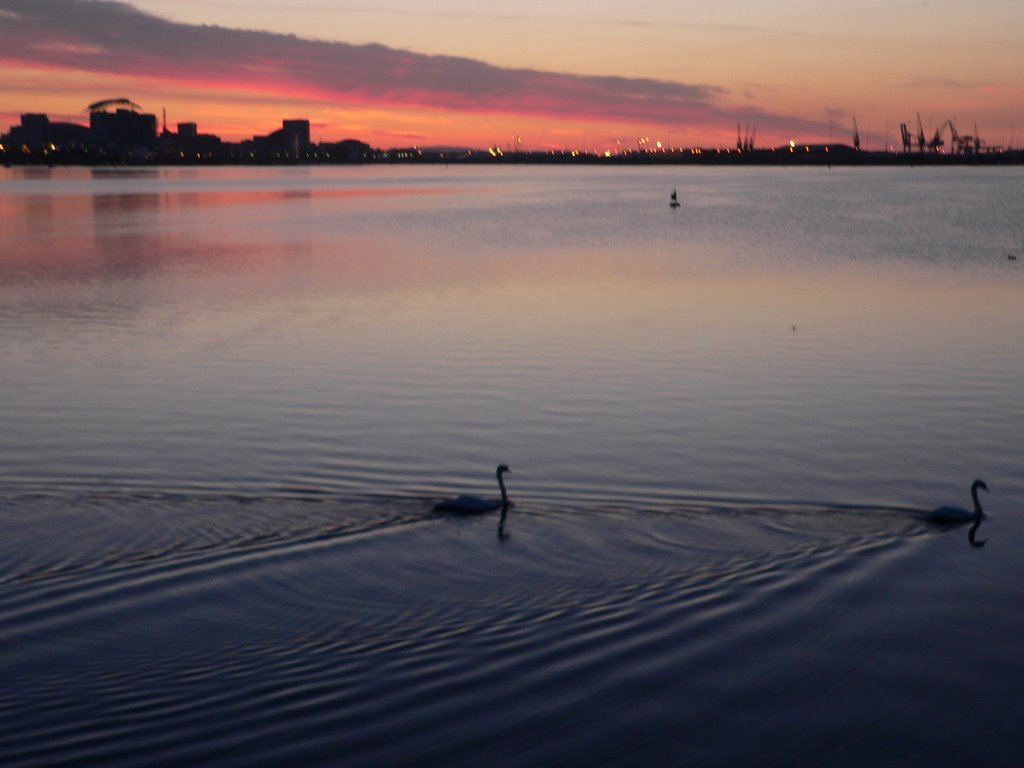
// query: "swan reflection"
[[503, 535], [970, 535]]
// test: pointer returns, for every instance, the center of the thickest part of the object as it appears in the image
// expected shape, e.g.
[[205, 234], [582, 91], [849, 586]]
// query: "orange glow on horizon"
[[596, 92], [236, 112]]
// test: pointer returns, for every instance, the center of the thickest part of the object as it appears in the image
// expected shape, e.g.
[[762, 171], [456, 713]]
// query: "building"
[[189, 144], [289, 143], [124, 132], [123, 128], [35, 131], [38, 138], [32, 135], [298, 129]]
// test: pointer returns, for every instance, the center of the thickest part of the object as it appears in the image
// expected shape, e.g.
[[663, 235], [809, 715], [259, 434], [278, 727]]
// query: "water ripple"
[[270, 631]]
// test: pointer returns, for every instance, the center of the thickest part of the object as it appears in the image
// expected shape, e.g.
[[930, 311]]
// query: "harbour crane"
[[908, 142], [959, 144], [745, 138]]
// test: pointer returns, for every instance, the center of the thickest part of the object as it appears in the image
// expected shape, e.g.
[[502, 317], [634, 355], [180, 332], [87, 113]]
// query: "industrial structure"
[[959, 144]]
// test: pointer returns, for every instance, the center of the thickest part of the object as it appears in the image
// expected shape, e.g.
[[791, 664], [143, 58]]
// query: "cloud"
[[942, 83], [491, 15], [107, 37]]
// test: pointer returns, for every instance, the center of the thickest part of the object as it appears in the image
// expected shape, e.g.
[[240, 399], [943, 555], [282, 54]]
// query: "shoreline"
[[808, 155]]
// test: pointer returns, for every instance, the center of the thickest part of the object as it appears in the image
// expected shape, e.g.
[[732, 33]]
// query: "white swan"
[[959, 514], [476, 504]]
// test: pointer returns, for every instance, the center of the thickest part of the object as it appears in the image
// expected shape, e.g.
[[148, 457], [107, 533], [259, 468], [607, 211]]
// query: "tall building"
[[300, 130], [124, 129], [35, 131]]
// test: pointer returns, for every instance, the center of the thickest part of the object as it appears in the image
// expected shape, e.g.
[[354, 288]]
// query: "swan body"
[[951, 515], [472, 505]]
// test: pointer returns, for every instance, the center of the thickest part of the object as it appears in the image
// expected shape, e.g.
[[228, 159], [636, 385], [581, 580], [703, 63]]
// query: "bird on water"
[[468, 504], [959, 514]]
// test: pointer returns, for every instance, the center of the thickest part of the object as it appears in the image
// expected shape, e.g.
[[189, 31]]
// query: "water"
[[229, 399]]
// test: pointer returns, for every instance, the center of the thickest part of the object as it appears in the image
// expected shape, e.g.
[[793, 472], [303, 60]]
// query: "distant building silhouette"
[[124, 132], [289, 143], [36, 136], [300, 130], [35, 131], [69, 135], [190, 144], [349, 151], [32, 135]]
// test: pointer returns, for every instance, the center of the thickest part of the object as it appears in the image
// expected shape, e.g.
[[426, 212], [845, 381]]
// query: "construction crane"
[[965, 145], [959, 143], [955, 139], [908, 142]]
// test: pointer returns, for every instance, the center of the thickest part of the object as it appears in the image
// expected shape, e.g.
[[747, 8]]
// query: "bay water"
[[230, 397]]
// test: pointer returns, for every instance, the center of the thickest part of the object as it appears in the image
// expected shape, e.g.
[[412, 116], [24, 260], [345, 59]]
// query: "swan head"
[[978, 484], [503, 468]]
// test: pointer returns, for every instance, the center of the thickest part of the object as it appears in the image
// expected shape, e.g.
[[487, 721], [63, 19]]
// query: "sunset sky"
[[592, 75]]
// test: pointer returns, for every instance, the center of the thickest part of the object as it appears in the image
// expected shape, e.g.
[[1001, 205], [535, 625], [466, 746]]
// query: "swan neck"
[[977, 504], [501, 484]]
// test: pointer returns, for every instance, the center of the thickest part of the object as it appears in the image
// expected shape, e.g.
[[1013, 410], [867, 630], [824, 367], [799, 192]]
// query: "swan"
[[476, 504], [959, 514]]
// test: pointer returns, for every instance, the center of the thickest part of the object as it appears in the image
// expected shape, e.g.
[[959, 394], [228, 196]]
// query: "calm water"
[[229, 399]]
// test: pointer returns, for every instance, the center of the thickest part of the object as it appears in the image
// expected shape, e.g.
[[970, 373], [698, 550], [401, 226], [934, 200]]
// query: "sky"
[[595, 75]]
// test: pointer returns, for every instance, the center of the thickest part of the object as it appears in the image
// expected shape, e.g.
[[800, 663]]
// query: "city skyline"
[[399, 75]]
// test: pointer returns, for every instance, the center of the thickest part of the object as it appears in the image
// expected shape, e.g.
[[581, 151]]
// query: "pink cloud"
[[114, 38]]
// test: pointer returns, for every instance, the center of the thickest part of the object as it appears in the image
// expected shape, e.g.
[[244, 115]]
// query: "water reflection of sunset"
[[574, 308]]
